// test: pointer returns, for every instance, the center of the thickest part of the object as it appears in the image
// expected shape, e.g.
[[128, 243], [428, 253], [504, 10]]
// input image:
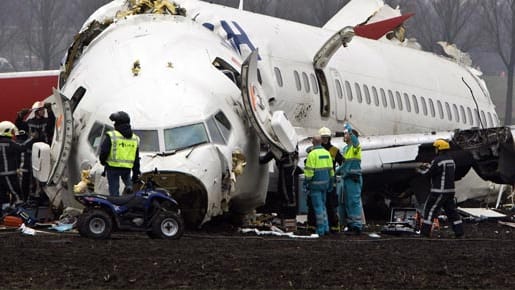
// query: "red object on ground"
[[12, 221]]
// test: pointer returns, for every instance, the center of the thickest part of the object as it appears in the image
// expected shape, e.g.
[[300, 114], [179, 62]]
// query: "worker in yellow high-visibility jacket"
[[350, 171], [119, 153], [319, 179]]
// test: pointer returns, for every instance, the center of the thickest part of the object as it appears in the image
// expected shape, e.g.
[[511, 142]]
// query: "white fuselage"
[[380, 88]]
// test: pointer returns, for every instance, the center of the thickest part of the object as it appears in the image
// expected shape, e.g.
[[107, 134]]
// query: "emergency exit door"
[[337, 95]]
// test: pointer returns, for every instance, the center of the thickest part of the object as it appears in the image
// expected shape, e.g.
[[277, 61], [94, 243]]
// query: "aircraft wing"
[[490, 152]]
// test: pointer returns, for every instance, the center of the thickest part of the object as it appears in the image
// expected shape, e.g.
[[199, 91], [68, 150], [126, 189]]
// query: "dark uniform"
[[9, 163], [286, 188], [441, 172]]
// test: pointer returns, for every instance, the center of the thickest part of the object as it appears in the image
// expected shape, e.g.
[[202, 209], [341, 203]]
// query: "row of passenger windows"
[[396, 100], [298, 83], [417, 104]]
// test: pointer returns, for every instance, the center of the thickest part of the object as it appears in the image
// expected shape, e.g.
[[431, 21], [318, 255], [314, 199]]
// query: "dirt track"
[[227, 259]]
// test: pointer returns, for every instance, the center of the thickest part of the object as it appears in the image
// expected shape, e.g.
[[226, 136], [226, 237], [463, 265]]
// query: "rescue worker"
[[332, 197], [350, 171], [441, 171], [25, 166], [119, 153], [286, 188], [39, 123], [9, 163], [319, 179]]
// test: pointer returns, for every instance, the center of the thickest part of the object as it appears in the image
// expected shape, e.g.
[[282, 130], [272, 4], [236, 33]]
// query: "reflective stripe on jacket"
[[123, 150], [319, 171]]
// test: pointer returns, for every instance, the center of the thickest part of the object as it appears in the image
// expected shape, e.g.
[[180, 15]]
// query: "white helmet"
[[37, 105], [8, 129], [324, 132]]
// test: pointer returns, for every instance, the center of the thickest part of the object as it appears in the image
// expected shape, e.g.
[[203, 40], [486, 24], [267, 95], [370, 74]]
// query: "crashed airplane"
[[207, 85]]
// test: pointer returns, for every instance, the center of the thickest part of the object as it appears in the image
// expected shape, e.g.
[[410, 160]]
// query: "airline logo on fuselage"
[[239, 40]]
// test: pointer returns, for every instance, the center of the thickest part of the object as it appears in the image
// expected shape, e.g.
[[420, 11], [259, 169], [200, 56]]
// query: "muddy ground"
[[223, 258]]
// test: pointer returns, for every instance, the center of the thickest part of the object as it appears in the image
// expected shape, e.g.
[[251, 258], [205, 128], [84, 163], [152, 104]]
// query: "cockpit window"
[[149, 140], [95, 135], [223, 124], [185, 136]]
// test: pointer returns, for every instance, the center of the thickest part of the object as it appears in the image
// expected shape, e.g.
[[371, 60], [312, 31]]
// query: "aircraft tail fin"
[[378, 29]]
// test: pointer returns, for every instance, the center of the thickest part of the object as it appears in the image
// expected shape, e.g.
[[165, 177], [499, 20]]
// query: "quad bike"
[[150, 209]]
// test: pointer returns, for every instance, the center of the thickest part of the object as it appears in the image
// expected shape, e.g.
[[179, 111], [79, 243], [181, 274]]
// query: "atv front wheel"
[[167, 225], [96, 224]]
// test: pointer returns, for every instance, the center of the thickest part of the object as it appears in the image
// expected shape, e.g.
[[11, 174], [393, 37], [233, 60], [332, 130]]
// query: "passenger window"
[[455, 111], [448, 110], [483, 118], [462, 114], [376, 97], [358, 93], [415, 103], [349, 90], [399, 100], [297, 80], [432, 107], [469, 114], [314, 84], [392, 101], [367, 94], [424, 105], [278, 76], [476, 118], [406, 100], [306, 81], [338, 88], [383, 98], [440, 109]]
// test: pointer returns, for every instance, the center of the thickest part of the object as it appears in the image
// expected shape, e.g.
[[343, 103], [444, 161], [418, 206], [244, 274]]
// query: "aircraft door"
[[338, 96], [62, 143], [273, 128]]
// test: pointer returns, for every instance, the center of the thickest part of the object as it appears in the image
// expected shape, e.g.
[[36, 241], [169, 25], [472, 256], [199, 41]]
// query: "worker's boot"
[[457, 227], [425, 230]]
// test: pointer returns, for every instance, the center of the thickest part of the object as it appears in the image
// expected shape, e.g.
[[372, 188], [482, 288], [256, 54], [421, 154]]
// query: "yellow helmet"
[[7, 129], [324, 132], [441, 144]]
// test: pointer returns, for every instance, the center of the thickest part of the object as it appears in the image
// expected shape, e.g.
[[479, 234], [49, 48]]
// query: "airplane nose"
[[194, 177], [187, 190]]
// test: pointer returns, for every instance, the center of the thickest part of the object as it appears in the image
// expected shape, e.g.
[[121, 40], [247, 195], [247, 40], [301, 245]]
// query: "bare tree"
[[81, 10], [43, 32], [499, 16], [443, 20]]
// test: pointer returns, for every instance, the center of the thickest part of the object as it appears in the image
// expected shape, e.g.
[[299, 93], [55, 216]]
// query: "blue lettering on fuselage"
[[236, 39]]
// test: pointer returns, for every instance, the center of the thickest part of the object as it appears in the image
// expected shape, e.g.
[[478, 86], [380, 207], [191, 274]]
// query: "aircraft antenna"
[[240, 7], [477, 106]]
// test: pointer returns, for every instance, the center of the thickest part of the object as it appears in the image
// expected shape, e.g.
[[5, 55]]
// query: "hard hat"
[[37, 105], [120, 117], [8, 129], [441, 144], [324, 132]]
